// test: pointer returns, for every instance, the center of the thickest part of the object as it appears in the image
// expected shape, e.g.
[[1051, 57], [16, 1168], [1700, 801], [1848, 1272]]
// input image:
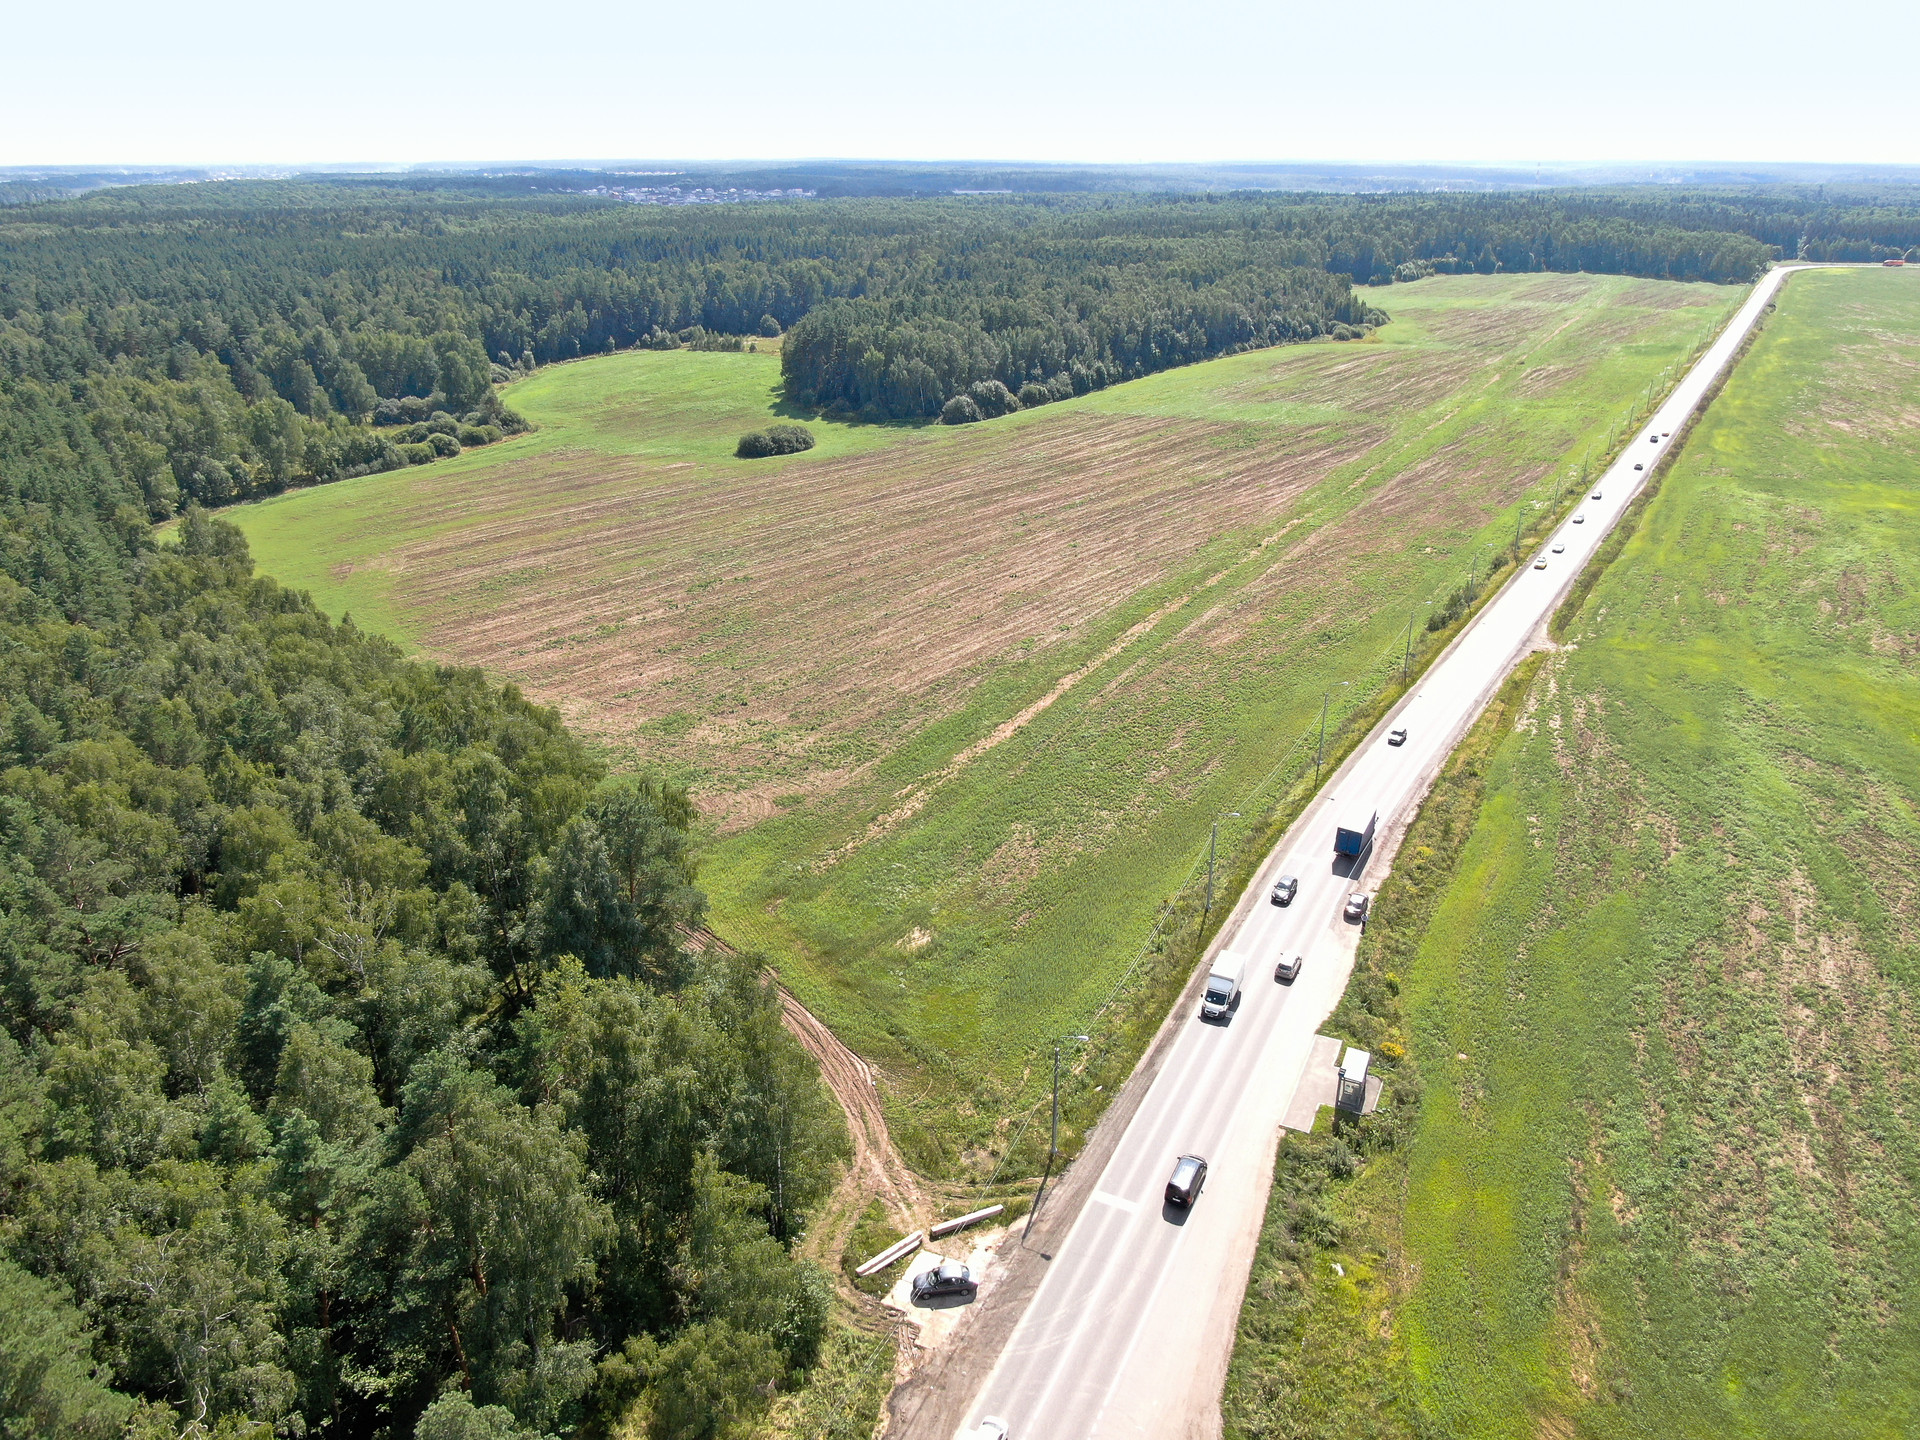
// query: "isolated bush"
[[1034, 393], [959, 411], [774, 440], [418, 454], [443, 444], [769, 326], [992, 397]]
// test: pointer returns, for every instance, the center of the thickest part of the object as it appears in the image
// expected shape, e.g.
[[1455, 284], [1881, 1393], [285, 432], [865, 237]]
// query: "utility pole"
[[1320, 751], [1428, 605], [1053, 1140], [1516, 532], [1212, 836]]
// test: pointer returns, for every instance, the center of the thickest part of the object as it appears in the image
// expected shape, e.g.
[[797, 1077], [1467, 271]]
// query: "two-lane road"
[[1130, 1330]]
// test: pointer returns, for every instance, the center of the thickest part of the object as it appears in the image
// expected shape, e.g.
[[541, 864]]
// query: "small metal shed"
[[1351, 1095]]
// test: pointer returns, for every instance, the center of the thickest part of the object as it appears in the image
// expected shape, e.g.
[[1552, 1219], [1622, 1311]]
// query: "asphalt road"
[[1130, 1331]]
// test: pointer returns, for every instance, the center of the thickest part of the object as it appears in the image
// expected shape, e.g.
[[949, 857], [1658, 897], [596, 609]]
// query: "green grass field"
[[1666, 1175], [961, 704]]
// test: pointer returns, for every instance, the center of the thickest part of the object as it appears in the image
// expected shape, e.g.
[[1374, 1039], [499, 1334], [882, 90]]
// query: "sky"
[[207, 82]]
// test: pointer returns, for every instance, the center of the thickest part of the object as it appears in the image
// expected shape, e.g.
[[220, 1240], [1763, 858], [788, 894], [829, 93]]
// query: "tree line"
[[355, 1075], [240, 337]]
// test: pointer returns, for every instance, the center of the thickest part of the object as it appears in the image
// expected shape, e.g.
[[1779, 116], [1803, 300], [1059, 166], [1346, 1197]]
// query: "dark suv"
[[1284, 889], [1189, 1174]]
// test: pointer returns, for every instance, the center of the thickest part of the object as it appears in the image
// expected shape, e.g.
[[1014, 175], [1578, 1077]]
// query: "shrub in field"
[[769, 326], [774, 440], [1034, 393], [960, 410], [442, 444], [470, 435], [992, 397], [417, 454]]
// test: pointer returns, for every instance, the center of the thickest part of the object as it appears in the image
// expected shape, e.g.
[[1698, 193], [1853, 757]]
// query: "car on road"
[[1397, 737], [991, 1427], [949, 1277], [1639, 467], [1653, 439], [1288, 971], [1356, 911], [1284, 889], [1189, 1174], [1559, 549], [1596, 494], [1541, 563]]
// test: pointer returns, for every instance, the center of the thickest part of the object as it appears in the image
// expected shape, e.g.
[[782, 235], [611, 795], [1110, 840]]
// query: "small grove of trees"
[[774, 440]]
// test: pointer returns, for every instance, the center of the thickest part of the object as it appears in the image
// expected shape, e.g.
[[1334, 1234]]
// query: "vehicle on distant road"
[[1356, 911], [1639, 467], [1397, 737], [1354, 837], [1653, 439], [1541, 563], [949, 1277], [1560, 549], [1288, 971], [1596, 494], [1189, 1174], [1223, 985], [991, 1427], [1579, 519], [1284, 889]]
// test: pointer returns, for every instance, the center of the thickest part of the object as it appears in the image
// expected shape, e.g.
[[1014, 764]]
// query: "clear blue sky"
[[209, 81]]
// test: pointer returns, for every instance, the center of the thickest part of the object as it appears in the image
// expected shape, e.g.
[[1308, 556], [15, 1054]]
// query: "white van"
[[1223, 985]]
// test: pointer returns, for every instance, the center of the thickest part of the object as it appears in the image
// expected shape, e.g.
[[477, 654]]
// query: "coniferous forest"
[[357, 1074]]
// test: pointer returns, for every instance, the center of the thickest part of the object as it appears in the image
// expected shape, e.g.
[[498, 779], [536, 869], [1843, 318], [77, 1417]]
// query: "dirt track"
[[877, 1168]]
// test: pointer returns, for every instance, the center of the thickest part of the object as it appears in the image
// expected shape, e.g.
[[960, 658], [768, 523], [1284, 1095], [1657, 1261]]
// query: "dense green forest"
[[354, 1075], [232, 339]]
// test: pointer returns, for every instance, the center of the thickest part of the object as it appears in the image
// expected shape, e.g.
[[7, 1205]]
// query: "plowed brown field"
[[962, 703]]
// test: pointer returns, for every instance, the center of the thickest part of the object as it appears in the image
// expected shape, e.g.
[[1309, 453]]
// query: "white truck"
[[1223, 985]]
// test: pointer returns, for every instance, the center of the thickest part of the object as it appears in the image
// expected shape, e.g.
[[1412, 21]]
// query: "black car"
[[1284, 889], [1189, 1174], [949, 1277], [1288, 970]]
